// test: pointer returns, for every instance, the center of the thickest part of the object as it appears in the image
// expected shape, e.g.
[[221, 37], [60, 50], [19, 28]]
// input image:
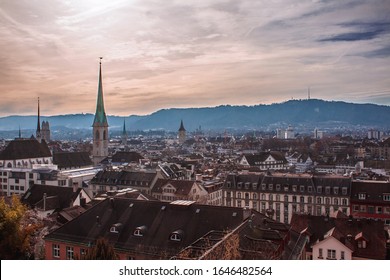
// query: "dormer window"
[[239, 185], [140, 231], [177, 235], [254, 185], [362, 196], [247, 185], [115, 228]]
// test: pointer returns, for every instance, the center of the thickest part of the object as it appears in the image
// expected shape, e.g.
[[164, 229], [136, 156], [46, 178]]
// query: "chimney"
[[44, 201]]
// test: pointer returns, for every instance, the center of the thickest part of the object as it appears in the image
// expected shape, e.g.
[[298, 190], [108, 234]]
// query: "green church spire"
[[100, 115]]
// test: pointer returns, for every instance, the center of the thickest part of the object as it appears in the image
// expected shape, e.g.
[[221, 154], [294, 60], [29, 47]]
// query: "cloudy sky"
[[190, 53]]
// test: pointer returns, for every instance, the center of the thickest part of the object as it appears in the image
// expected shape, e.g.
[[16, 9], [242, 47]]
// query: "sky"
[[160, 54]]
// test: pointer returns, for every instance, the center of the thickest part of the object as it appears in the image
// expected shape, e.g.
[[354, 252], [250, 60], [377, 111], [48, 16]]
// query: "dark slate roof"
[[25, 148], [57, 197], [374, 191], [234, 179], [254, 159], [72, 159], [159, 218], [182, 187], [346, 230], [126, 157], [125, 178]]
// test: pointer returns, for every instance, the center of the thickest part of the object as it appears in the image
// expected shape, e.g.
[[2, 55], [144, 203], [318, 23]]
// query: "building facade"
[[281, 195]]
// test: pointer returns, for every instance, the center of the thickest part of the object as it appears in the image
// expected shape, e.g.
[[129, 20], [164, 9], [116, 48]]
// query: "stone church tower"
[[100, 126]]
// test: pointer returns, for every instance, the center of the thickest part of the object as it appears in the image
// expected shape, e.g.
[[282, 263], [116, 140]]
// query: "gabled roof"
[[345, 230], [374, 190], [183, 187], [58, 197], [72, 159], [197, 226], [160, 219], [123, 177], [256, 159], [24, 149], [126, 157]]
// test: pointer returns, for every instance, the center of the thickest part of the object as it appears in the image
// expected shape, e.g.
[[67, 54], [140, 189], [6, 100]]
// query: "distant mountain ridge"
[[294, 112]]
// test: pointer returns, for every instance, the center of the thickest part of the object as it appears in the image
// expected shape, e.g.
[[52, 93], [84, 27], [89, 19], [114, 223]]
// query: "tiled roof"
[[62, 197], [198, 226], [159, 218], [345, 230], [126, 157], [254, 159], [374, 191], [72, 159], [183, 187], [24, 149], [125, 178]]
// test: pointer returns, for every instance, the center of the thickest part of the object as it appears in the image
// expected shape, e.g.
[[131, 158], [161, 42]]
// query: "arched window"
[[97, 135], [9, 165], [104, 135]]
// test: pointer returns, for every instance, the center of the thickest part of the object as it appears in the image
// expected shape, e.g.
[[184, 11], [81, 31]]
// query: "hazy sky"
[[190, 53]]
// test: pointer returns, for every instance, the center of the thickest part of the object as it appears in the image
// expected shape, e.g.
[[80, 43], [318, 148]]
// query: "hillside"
[[295, 112]]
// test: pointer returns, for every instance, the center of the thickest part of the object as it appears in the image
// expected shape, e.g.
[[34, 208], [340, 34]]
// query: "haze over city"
[[164, 54]]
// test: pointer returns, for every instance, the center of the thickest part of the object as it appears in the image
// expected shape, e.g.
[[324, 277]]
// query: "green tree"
[[15, 232], [102, 250]]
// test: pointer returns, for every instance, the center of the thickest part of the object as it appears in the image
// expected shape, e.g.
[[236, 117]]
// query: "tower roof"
[[124, 132], [38, 123], [100, 115], [182, 126]]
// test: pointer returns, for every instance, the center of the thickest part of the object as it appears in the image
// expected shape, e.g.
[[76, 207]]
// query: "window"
[[309, 199], [69, 253], [247, 185], [294, 199], [56, 250], [344, 191], [302, 188], [228, 184], [362, 243], [309, 189], [302, 199], [336, 201], [286, 198], [327, 190], [255, 196], [294, 188], [294, 208], [176, 236], [254, 205], [271, 198], [319, 200], [320, 255], [336, 190], [371, 209], [319, 189], [278, 187], [254, 186], [263, 197], [362, 196], [342, 255], [344, 201], [239, 203], [239, 185], [263, 186], [270, 187], [277, 197], [386, 196], [83, 252], [356, 208], [331, 254], [238, 195], [327, 201]]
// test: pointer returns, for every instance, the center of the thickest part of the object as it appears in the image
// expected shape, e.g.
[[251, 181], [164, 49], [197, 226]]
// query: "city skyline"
[[199, 54]]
